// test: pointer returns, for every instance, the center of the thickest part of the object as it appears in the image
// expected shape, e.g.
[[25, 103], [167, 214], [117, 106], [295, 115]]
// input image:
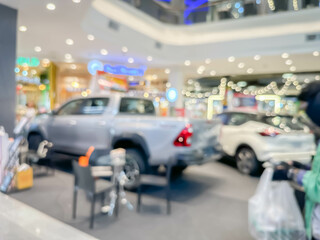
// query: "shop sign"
[[35, 80], [123, 70], [31, 62]]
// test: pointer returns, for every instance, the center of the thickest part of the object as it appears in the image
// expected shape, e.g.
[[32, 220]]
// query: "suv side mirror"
[[54, 112]]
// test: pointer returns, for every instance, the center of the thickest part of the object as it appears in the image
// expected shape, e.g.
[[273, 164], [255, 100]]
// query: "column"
[[176, 79], [8, 32]]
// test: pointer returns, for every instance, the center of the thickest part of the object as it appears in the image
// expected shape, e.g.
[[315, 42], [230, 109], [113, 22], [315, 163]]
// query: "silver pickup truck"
[[116, 120]]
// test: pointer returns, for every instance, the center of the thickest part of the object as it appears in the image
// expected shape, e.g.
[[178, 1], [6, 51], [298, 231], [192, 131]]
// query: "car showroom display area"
[[208, 202]]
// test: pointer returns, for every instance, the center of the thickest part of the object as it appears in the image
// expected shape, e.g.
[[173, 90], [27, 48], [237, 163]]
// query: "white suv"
[[254, 138]]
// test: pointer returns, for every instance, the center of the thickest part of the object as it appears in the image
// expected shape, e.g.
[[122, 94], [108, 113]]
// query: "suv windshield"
[[286, 123]]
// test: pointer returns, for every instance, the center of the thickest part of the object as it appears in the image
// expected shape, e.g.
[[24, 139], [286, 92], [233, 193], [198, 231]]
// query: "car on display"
[[254, 138], [121, 121]]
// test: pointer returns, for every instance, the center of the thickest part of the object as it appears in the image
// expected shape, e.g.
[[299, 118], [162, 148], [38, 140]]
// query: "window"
[[237, 119], [286, 123], [95, 106], [71, 108], [224, 118], [136, 106], [90, 106]]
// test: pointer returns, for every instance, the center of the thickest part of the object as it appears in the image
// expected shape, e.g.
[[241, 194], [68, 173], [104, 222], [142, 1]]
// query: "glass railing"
[[201, 11]]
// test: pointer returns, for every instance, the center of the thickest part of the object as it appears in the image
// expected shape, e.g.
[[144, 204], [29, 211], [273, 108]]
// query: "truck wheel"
[[133, 167], [178, 170], [247, 162], [34, 139]]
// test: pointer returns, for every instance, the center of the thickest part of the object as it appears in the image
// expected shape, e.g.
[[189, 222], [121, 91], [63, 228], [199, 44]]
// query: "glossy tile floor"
[[209, 202], [19, 221]]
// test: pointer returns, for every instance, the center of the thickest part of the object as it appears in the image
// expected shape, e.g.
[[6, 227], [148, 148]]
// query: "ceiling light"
[[316, 53], [202, 68], [130, 60], [130, 78], [289, 62], [257, 57], [285, 55], [250, 70], [68, 56], [241, 65], [167, 71], [45, 62], [207, 61], [187, 62], [90, 37], [317, 77], [33, 71], [124, 49], [73, 66], [76, 1], [23, 28], [213, 73], [51, 6], [149, 58], [69, 41], [293, 68], [37, 49], [231, 59], [104, 52], [307, 80], [154, 76]]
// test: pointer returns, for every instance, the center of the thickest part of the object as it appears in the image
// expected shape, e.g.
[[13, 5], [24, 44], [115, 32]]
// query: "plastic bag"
[[273, 211]]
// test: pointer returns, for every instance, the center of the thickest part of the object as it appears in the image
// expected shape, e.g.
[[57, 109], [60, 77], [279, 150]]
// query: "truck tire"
[[247, 162], [34, 139], [133, 167]]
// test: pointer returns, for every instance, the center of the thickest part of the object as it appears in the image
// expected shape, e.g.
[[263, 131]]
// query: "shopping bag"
[[273, 211]]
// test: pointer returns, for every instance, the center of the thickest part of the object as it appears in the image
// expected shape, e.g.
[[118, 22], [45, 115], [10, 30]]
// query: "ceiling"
[[268, 36]]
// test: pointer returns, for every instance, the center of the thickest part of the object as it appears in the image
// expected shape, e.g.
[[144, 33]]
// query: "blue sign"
[[123, 70], [172, 95], [94, 66]]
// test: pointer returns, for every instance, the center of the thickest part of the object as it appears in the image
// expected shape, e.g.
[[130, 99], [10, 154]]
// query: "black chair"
[[159, 181], [93, 188]]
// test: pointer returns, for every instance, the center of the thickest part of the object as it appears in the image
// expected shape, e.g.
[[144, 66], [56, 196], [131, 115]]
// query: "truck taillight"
[[184, 138], [269, 132]]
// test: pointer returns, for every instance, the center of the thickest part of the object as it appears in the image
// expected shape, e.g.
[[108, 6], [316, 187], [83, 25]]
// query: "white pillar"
[[176, 79]]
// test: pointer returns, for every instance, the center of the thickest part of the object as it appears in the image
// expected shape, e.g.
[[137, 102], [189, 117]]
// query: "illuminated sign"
[[172, 94], [94, 66], [123, 70], [31, 62]]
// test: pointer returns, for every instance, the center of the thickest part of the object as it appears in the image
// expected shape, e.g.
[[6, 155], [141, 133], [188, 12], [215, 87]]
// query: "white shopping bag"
[[273, 211]]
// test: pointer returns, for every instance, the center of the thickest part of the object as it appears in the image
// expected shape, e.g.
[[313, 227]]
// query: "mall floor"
[[209, 202]]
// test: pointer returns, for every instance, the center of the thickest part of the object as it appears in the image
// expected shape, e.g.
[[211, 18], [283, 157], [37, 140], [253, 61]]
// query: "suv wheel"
[[247, 162], [133, 167]]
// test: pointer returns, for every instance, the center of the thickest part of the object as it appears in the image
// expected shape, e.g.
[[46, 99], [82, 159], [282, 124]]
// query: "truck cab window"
[[136, 106]]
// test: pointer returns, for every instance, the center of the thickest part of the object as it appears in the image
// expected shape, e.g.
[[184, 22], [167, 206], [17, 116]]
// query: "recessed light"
[[257, 57], [201, 68], [207, 61], [130, 78], [250, 70], [68, 56], [316, 53], [33, 71], [23, 28], [289, 62], [69, 41], [73, 66], [293, 68], [241, 65], [76, 1], [213, 73], [167, 71], [51, 6], [317, 77], [187, 62], [37, 49], [90, 37], [154, 76], [285, 55], [149, 58], [124, 49], [231, 59], [130, 60], [104, 52]]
